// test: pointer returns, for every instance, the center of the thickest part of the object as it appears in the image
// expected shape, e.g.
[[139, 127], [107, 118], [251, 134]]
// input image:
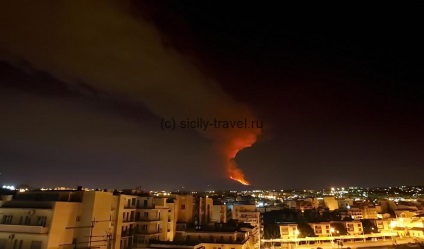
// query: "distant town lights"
[[9, 187]]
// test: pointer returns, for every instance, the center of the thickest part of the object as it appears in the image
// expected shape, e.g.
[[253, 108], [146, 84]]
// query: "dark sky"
[[340, 95]]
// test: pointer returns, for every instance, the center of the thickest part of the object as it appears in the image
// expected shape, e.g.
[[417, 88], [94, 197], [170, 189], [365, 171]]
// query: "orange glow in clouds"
[[238, 143]]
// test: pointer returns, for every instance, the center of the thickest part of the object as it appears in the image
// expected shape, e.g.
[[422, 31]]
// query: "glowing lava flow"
[[240, 181], [237, 144], [235, 173]]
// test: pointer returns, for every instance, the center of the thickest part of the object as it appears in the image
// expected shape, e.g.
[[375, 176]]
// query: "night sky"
[[84, 86]]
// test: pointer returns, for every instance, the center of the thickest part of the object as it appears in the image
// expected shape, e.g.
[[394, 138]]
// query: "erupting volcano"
[[128, 60], [238, 143]]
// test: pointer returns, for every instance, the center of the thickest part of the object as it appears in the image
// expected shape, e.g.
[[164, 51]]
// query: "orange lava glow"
[[242, 181], [238, 143]]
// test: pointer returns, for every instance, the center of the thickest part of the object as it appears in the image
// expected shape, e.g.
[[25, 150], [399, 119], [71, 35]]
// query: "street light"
[[296, 232], [393, 224]]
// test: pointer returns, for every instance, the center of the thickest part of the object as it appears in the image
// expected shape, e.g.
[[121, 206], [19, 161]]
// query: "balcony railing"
[[143, 219], [129, 220], [23, 229], [146, 207], [141, 232]]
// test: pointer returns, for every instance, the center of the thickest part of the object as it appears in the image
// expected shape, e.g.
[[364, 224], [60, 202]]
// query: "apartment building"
[[59, 219], [185, 209], [246, 214], [331, 203], [384, 225], [288, 230], [220, 213], [173, 210], [322, 229], [360, 212], [152, 219], [105, 220], [354, 227], [218, 236], [203, 210]]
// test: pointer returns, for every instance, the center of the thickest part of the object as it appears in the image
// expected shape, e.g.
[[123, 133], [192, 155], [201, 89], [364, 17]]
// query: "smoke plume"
[[102, 43]]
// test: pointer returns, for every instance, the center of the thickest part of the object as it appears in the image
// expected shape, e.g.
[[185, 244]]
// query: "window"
[[78, 218], [20, 244], [146, 215], [7, 219], [35, 245], [133, 201], [41, 221], [145, 203], [144, 227], [182, 207], [27, 220], [284, 230]]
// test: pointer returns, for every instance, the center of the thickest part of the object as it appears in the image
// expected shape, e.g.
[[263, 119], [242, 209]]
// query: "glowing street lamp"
[[393, 224]]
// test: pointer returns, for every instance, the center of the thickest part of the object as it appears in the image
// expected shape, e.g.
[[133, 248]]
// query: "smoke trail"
[[101, 43]]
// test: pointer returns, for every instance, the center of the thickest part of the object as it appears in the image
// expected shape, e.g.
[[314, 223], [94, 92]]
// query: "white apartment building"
[[354, 227], [56, 220], [288, 231], [246, 214], [322, 229], [220, 213]]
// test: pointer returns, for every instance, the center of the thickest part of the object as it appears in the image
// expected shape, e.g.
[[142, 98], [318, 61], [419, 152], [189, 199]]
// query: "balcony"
[[141, 232], [128, 233], [23, 229], [147, 207], [129, 207], [142, 219]]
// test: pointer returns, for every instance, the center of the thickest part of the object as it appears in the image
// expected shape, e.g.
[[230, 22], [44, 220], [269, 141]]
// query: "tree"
[[305, 230], [369, 227], [340, 228]]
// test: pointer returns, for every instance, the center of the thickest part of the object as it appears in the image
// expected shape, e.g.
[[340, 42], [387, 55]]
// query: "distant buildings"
[[288, 231], [104, 220]]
